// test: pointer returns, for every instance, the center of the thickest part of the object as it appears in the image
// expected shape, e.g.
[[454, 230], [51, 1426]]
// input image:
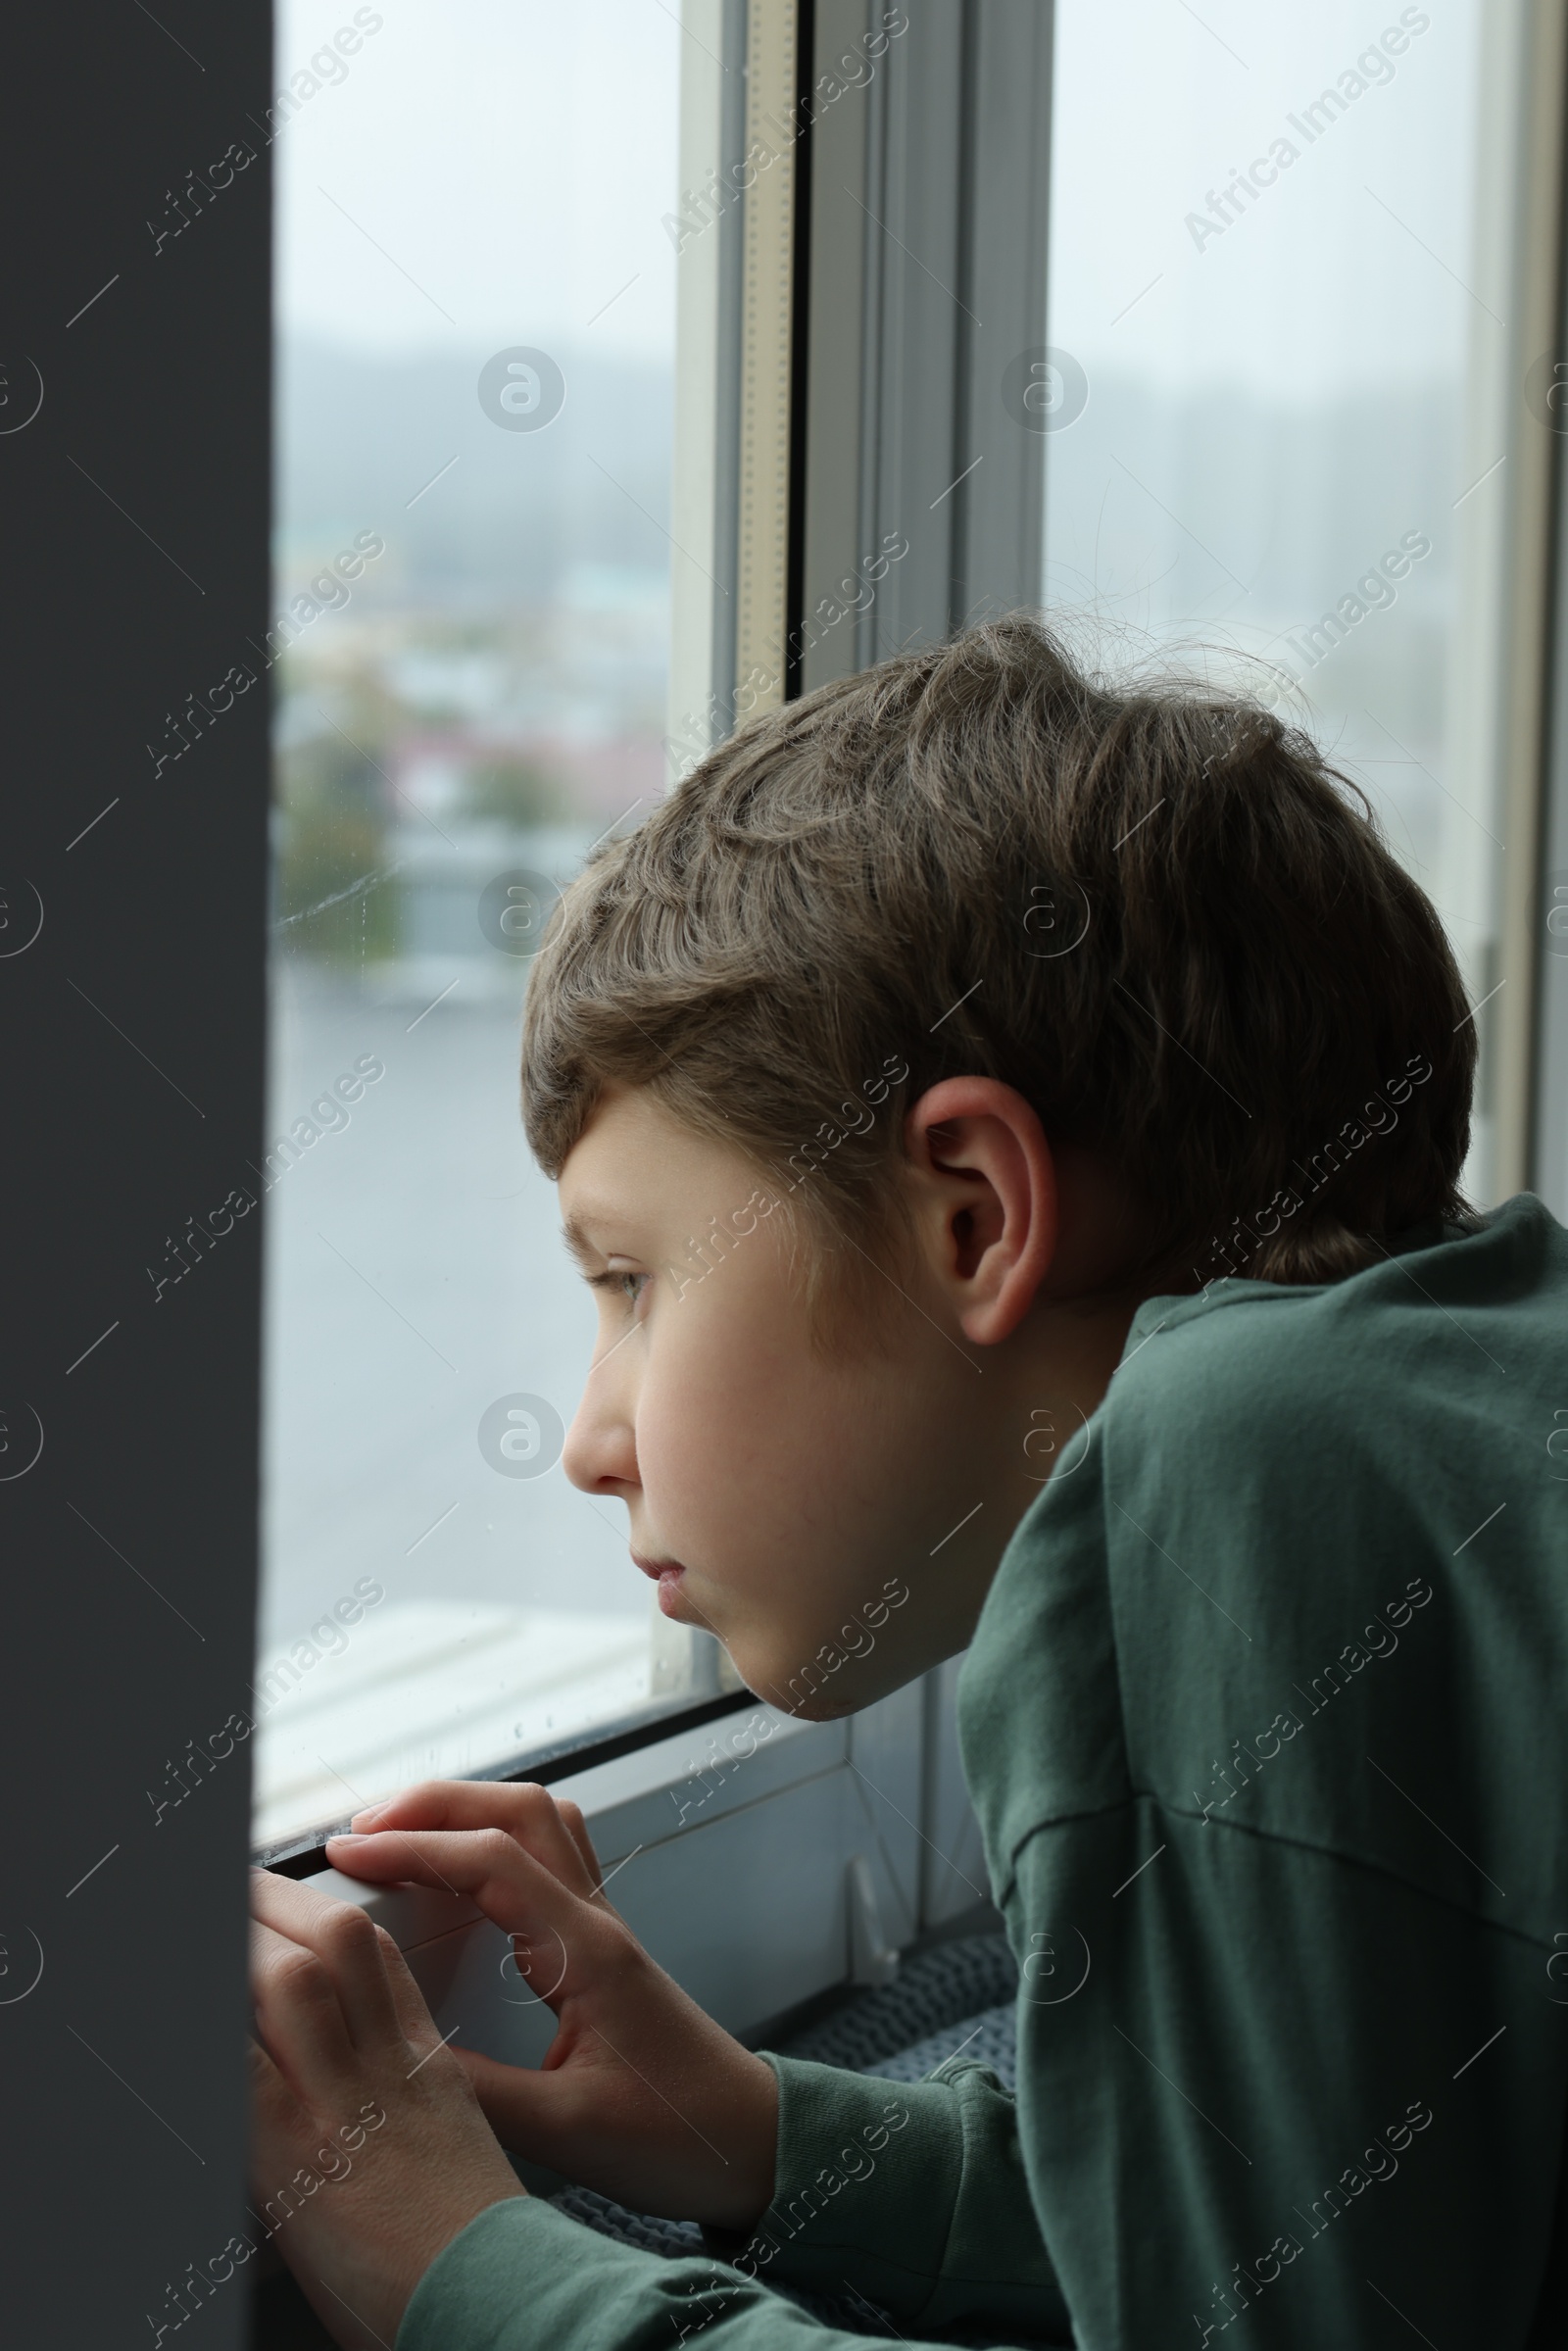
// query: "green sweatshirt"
[[1266, 1724]]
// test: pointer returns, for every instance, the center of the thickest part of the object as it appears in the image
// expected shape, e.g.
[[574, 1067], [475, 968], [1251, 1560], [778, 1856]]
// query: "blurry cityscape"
[[500, 668], [497, 671]]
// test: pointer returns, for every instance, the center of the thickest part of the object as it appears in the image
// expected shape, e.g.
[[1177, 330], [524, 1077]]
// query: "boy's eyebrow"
[[577, 1241], [574, 1229]]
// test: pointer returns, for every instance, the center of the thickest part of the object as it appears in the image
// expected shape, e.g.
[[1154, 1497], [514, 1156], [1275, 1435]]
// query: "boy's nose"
[[600, 1455]]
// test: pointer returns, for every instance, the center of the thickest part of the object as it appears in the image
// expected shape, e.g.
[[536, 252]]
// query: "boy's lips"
[[666, 1574]]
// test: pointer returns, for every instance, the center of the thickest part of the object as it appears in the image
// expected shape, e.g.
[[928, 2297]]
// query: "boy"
[[1065, 1080]]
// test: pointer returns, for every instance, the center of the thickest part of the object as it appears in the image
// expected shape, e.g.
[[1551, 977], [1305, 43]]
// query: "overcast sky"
[[1340, 272], [514, 158]]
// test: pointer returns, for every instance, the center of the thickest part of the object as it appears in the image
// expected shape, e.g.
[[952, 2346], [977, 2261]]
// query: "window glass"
[[476, 292], [1269, 397]]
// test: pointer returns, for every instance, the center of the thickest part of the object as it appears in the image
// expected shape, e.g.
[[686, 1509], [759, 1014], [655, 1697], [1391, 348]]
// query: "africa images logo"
[[521, 389], [521, 1436]]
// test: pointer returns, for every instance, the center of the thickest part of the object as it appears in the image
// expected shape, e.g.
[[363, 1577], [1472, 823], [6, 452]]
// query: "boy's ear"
[[984, 1203]]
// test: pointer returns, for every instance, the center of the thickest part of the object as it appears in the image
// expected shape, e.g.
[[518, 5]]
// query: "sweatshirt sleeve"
[[911, 2195]]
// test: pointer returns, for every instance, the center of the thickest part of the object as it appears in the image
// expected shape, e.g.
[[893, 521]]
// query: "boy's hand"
[[640, 2094], [369, 2150]]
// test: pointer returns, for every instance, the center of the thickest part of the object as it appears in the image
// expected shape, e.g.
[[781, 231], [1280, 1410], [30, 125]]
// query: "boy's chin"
[[822, 1709], [811, 1693]]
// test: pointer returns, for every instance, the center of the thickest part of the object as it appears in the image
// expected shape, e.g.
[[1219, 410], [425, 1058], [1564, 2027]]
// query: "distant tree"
[[332, 904], [505, 788]]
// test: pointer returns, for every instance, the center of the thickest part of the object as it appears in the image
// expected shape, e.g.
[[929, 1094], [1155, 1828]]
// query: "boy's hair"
[[1156, 911]]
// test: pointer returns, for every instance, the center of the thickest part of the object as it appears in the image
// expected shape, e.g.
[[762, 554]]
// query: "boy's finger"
[[577, 1830], [525, 1812], [523, 2107], [278, 2122], [566, 1932], [274, 2106], [343, 1939], [417, 2024], [297, 2019]]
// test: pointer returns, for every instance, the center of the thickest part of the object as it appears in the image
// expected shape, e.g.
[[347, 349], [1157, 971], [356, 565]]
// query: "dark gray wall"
[[133, 507]]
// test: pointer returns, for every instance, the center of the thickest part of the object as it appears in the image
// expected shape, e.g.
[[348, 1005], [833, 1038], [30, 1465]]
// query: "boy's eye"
[[616, 1279]]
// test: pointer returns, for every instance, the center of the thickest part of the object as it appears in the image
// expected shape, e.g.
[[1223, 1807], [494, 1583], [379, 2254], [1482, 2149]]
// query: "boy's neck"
[[1042, 1387]]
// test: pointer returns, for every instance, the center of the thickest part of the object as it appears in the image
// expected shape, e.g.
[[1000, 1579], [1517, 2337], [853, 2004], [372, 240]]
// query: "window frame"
[[1542, 1022], [1521, 243]]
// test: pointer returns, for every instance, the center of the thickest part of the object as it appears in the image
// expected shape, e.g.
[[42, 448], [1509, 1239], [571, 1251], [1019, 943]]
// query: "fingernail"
[[346, 1837]]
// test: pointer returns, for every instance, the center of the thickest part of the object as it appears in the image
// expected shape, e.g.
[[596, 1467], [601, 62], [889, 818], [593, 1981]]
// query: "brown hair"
[[1155, 911]]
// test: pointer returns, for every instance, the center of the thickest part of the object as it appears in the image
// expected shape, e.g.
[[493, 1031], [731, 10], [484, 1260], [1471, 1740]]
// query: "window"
[[477, 215], [1245, 399]]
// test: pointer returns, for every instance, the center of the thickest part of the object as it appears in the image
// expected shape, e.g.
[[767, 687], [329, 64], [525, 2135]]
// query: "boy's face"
[[797, 1496]]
